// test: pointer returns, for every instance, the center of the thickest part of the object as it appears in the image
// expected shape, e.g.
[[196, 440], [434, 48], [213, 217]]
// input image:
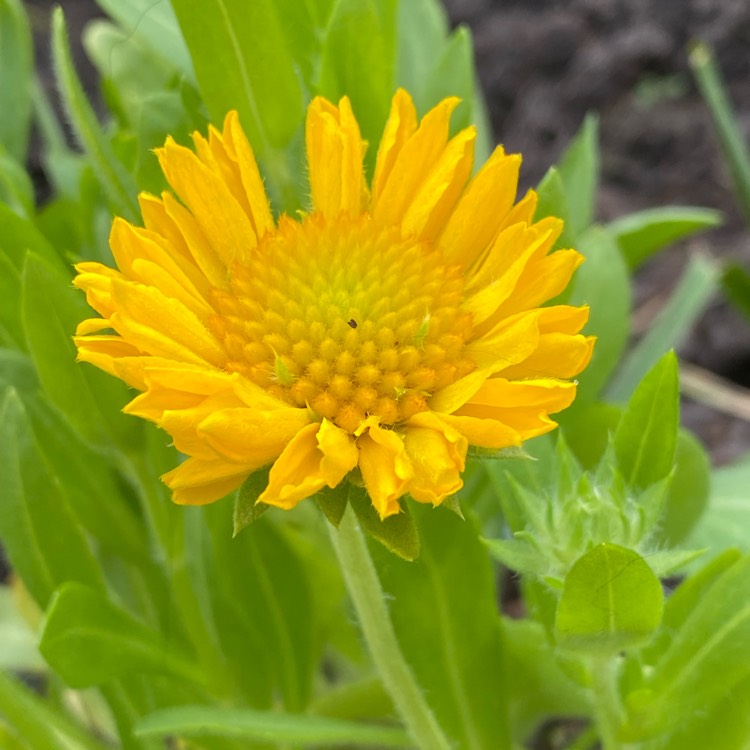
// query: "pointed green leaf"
[[646, 438], [15, 77], [713, 641], [91, 400], [16, 189], [552, 200], [642, 234], [579, 170], [697, 285], [267, 726], [20, 235], [611, 601], [11, 329], [246, 506], [603, 284], [444, 611], [333, 502], [88, 640], [44, 543], [398, 533]]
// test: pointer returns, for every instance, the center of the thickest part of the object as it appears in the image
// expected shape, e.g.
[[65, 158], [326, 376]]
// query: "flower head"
[[378, 336]]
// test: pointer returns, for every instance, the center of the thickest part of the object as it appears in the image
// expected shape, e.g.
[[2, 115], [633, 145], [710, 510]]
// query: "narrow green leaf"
[[88, 640], [713, 641], [611, 601], [266, 726], [697, 285], [688, 491], [38, 722], [358, 60], [16, 74], [736, 283], [11, 329], [42, 539], [603, 283], [243, 61], [646, 438], [19, 235], [246, 506], [156, 25], [726, 521], [91, 400], [552, 200], [445, 615], [731, 140], [642, 234], [16, 190], [398, 533], [579, 171], [115, 179]]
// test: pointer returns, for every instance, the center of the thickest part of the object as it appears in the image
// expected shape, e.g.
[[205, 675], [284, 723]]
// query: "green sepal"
[[512, 451], [611, 601], [247, 509], [397, 533], [333, 501]]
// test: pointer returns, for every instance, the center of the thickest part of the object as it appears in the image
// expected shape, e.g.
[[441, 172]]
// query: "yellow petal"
[[558, 355], [508, 343], [197, 481], [249, 436], [483, 207], [209, 199], [401, 125], [334, 156], [441, 188], [438, 456], [162, 326], [484, 433], [448, 399], [339, 452], [414, 161], [296, 474], [385, 468]]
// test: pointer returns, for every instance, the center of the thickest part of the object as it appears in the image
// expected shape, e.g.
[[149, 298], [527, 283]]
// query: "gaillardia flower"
[[382, 333]]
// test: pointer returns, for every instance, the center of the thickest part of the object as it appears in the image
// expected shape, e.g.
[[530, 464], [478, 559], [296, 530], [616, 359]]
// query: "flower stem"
[[364, 588], [607, 706]]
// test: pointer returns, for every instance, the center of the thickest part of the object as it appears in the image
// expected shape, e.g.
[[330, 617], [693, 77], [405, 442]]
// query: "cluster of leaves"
[[142, 620]]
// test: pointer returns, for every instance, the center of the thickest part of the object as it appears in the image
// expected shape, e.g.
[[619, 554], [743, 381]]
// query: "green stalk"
[[606, 699], [365, 591], [732, 143]]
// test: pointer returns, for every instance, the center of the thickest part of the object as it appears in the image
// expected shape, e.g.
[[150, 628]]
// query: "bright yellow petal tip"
[[387, 330]]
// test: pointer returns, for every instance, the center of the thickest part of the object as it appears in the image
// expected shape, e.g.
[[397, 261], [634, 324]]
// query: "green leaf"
[[688, 491], [611, 601], [16, 189], [587, 429], [88, 640], [445, 615], [398, 533], [642, 234], [243, 61], [91, 400], [697, 285], [713, 641], [358, 60], [11, 329], [266, 726], [333, 502], [20, 235], [246, 507], [552, 200], [732, 142], [736, 284], [156, 25], [43, 541], [646, 438], [603, 283], [579, 171], [15, 78], [726, 521], [114, 178], [422, 32], [18, 651]]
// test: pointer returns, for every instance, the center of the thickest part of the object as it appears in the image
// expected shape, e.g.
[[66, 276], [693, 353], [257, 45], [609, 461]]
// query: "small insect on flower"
[[245, 350]]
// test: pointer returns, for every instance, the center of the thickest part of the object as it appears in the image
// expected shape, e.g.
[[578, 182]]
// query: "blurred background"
[[543, 64]]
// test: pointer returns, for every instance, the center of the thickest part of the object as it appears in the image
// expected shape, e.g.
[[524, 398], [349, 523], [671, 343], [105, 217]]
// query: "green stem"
[[606, 699], [366, 593]]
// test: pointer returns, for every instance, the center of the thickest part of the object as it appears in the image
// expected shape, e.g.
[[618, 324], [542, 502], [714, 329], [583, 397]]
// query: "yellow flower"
[[382, 333]]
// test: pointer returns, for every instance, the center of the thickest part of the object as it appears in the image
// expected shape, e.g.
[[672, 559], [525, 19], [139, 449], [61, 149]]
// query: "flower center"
[[346, 318]]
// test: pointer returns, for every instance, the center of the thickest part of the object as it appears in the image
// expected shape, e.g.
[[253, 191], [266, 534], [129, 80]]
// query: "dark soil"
[[542, 65]]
